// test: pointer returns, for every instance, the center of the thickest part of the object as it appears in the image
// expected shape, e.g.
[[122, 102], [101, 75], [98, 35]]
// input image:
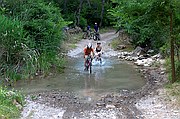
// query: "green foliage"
[[10, 38], [90, 12], [118, 41], [83, 22], [43, 23], [173, 93], [177, 68], [9, 101], [31, 34], [14, 52], [146, 21]]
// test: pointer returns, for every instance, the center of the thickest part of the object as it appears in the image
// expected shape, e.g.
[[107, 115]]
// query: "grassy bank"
[[118, 42], [11, 103], [173, 93]]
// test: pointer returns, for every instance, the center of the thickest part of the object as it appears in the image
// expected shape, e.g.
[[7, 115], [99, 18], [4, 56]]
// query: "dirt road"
[[106, 38], [57, 104]]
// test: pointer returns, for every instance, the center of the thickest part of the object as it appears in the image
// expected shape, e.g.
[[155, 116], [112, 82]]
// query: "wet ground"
[[113, 76], [112, 91]]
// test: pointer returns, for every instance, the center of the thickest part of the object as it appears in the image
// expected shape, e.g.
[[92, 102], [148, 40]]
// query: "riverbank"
[[127, 104], [158, 103], [161, 99]]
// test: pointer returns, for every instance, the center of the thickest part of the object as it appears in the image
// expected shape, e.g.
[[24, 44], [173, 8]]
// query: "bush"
[[14, 51], [11, 103], [43, 22], [31, 34]]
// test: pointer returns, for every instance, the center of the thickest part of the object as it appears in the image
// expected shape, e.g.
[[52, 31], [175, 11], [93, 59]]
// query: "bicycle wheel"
[[98, 37], [94, 37], [90, 69], [91, 36], [87, 66], [85, 35]]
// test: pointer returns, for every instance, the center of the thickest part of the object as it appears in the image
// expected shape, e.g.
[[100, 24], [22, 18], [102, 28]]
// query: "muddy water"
[[113, 76]]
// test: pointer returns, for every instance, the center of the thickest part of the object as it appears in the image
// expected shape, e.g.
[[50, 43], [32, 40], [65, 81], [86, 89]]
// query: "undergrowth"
[[11, 103]]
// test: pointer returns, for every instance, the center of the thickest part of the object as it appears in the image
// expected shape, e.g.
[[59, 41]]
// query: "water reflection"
[[113, 76]]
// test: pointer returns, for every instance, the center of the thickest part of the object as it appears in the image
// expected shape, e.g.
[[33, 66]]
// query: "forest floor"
[[149, 102]]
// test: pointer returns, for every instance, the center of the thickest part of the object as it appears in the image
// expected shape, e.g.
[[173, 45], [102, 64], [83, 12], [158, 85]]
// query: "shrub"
[[10, 103], [31, 34]]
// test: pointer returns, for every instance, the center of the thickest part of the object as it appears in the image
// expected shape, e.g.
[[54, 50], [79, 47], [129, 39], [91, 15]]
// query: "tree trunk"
[[172, 48], [75, 18], [79, 12], [65, 6], [102, 12]]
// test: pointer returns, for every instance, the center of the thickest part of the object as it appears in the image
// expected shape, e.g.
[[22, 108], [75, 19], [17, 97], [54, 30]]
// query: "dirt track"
[[65, 105]]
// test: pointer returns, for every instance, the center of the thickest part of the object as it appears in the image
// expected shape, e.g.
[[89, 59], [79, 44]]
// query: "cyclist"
[[88, 28], [98, 50], [96, 30], [88, 50]]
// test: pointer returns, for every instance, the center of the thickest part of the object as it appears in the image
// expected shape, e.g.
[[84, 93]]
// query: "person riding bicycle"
[[96, 30], [88, 50], [98, 50]]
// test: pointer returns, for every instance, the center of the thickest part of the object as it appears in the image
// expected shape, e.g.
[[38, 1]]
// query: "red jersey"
[[87, 51]]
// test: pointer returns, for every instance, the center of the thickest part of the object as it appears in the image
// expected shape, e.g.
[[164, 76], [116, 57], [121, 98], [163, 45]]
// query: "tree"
[[147, 22], [102, 12], [83, 12], [172, 46], [79, 12]]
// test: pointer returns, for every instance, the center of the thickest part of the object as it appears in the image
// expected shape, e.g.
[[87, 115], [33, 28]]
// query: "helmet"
[[98, 42], [89, 45]]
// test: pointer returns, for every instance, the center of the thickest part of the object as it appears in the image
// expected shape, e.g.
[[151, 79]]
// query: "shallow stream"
[[112, 77]]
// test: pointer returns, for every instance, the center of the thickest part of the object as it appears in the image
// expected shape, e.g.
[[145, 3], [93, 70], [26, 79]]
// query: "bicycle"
[[85, 35], [96, 36], [88, 64], [91, 35]]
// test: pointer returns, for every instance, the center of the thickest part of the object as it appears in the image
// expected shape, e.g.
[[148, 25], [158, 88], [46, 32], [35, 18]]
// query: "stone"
[[120, 47], [146, 65], [139, 62], [110, 106], [162, 73], [150, 51], [138, 51], [163, 69], [100, 104], [162, 61], [135, 58], [157, 56], [120, 56]]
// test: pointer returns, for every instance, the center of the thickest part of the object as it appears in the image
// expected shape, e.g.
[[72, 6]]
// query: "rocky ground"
[[158, 107], [146, 103]]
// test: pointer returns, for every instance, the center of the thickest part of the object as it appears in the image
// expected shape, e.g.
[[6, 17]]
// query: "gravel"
[[158, 107], [146, 103]]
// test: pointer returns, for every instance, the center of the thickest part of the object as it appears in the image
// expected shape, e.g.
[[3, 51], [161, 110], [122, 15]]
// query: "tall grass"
[[31, 34], [15, 54]]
